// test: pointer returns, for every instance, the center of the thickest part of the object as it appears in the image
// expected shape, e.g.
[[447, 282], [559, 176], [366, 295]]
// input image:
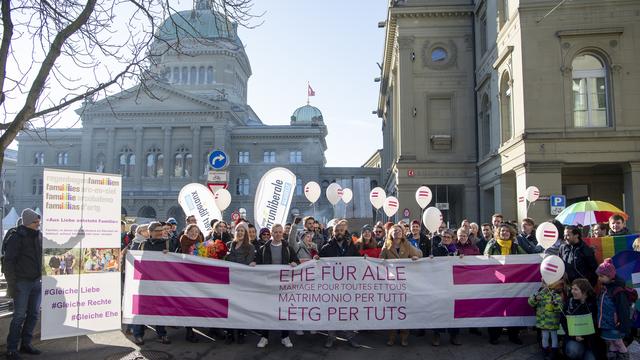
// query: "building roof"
[[200, 23], [306, 114]]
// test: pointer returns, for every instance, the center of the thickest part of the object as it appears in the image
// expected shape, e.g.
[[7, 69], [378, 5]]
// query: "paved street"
[[114, 345]]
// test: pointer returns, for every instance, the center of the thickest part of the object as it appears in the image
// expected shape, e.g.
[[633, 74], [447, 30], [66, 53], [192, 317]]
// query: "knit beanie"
[[607, 269], [264, 231], [29, 217]]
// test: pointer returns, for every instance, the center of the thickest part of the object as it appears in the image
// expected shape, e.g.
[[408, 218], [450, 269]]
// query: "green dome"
[[306, 114], [200, 23]]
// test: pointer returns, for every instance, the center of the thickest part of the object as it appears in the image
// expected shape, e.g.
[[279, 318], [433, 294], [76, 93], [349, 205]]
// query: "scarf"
[[187, 245], [451, 248], [505, 246]]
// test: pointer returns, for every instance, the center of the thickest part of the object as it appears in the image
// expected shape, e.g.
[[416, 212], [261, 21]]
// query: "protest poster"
[[273, 197], [81, 253], [347, 293]]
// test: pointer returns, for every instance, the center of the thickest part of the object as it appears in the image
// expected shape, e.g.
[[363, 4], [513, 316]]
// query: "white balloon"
[[533, 193], [391, 206], [347, 195], [432, 219], [334, 193], [377, 197], [223, 199], [551, 269], [312, 191], [423, 196], [547, 234]]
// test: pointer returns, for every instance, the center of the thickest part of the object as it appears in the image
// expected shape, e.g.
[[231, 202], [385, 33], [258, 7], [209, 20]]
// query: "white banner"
[[81, 253], [331, 293], [197, 200], [273, 197]]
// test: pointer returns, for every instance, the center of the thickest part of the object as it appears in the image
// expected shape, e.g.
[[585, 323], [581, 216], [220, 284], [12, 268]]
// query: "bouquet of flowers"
[[214, 249]]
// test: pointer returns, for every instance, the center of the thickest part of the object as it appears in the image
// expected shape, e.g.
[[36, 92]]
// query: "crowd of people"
[[588, 288]]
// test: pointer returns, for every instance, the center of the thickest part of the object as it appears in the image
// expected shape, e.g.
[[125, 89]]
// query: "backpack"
[[5, 241], [632, 297]]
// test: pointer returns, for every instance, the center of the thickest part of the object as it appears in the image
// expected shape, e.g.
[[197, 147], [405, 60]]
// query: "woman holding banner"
[[397, 247], [242, 252]]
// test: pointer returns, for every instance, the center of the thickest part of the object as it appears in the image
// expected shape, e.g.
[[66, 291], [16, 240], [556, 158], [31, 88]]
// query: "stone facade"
[[554, 99], [158, 136]]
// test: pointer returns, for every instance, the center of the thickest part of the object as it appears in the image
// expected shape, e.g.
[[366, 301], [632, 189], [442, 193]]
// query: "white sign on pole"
[[218, 176], [81, 253], [273, 197]]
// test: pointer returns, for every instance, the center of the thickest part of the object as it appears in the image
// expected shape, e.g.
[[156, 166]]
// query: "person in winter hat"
[[613, 310]]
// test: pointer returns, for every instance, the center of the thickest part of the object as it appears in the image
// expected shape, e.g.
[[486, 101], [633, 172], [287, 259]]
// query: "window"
[[100, 163], [506, 107], [185, 75], [242, 185], [590, 92], [504, 12], [485, 125], [295, 157], [243, 157], [201, 75], [193, 75], [210, 75], [38, 158], [438, 55], [34, 186], [154, 165], [176, 75], [127, 162], [183, 163], [63, 158], [269, 156], [298, 187], [483, 34]]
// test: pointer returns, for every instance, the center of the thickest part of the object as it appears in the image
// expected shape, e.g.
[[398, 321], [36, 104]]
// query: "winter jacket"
[[333, 249], [467, 248], [244, 255], [613, 310], [529, 244], [263, 255], [318, 239], [481, 243], [580, 262], [548, 308], [154, 245], [493, 248], [371, 252], [406, 252], [442, 250], [624, 231], [23, 255]]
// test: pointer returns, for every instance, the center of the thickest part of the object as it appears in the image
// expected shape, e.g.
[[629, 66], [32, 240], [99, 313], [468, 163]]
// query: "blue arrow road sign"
[[218, 159]]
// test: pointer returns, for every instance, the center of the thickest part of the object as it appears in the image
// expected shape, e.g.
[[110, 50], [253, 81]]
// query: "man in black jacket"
[[340, 245], [579, 259], [156, 242], [23, 271], [276, 251]]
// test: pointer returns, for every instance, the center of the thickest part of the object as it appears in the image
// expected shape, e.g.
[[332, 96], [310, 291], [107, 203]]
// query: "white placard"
[[273, 197]]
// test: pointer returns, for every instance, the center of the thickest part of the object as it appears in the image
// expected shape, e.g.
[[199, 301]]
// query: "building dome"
[[200, 23], [306, 115]]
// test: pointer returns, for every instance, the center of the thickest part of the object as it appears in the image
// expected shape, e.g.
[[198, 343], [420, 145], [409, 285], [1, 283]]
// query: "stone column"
[[86, 153], [405, 93], [168, 157], [196, 167], [547, 178], [141, 160], [111, 151], [632, 194], [504, 195]]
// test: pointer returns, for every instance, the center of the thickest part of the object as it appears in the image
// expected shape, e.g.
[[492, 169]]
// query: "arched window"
[[182, 163], [38, 158], [176, 75], [152, 166], [485, 125], [34, 186], [242, 185], [210, 75], [193, 75], [100, 163], [160, 165], [147, 212], [298, 187], [201, 75], [506, 107], [590, 91], [63, 158], [185, 75], [127, 162]]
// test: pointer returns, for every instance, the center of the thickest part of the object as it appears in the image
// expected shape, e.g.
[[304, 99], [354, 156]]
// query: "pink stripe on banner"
[[495, 307], [180, 306], [176, 271], [496, 274]]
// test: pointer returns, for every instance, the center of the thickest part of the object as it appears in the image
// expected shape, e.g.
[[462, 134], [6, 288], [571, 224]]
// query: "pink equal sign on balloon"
[[340, 192], [521, 199], [549, 234], [424, 193], [393, 203], [374, 194], [306, 189], [551, 268]]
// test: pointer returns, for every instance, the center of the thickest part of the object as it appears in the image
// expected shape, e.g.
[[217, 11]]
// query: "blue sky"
[[335, 46]]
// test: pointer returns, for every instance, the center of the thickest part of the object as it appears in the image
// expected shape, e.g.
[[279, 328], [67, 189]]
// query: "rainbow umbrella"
[[589, 213]]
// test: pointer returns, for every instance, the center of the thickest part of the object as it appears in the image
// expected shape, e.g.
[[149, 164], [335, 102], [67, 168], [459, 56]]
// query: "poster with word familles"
[[81, 253]]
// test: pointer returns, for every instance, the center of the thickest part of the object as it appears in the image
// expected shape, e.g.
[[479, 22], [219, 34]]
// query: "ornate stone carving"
[[405, 42]]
